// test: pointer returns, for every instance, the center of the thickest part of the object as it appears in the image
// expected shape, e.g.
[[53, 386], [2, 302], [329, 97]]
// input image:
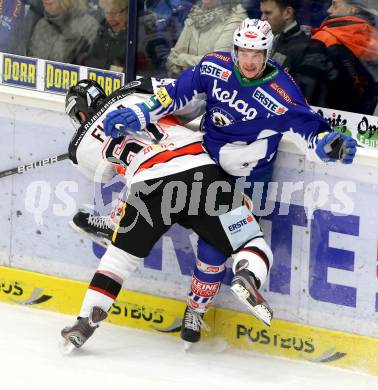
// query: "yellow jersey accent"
[[163, 96]]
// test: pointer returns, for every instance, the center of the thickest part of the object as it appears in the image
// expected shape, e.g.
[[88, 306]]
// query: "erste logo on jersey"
[[268, 101], [232, 101], [215, 70], [221, 117], [236, 226]]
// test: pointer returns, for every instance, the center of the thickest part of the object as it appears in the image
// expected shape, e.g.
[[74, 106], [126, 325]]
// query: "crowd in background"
[[330, 47]]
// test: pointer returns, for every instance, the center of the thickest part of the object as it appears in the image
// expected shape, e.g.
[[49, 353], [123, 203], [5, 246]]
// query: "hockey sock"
[[207, 276], [102, 292], [206, 282], [115, 266]]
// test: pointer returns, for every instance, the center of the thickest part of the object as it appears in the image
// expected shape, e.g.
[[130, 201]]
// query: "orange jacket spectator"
[[352, 44]]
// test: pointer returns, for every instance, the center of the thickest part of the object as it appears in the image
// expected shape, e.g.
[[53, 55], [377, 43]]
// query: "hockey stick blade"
[[36, 164]]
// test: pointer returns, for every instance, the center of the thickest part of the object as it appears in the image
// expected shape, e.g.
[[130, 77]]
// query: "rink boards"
[[163, 315], [321, 223]]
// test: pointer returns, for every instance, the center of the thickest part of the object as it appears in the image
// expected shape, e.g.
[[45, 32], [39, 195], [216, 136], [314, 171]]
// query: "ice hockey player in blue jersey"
[[250, 103]]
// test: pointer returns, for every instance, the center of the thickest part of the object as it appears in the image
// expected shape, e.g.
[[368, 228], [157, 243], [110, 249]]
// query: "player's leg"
[[115, 266], [237, 231], [206, 281], [132, 241], [251, 267], [212, 251]]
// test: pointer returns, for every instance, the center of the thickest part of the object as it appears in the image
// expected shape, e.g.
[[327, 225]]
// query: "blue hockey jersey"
[[245, 119]]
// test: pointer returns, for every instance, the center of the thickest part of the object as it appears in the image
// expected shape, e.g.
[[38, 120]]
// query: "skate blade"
[[66, 347], [98, 240], [261, 312]]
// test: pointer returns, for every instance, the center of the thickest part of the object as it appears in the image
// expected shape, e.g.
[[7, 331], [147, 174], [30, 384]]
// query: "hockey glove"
[[118, 122], [336, 146]]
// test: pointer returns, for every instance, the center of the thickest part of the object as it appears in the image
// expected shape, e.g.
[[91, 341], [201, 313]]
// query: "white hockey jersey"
[[137, 156]]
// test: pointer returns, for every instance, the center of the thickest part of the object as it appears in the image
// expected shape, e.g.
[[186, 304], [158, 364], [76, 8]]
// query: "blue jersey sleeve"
[[178, 94]]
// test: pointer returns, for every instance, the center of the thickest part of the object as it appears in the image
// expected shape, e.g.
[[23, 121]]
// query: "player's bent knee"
[[118, 262]]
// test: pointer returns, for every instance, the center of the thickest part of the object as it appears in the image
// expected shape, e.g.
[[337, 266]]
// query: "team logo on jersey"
[[219, 56], [221, 117], [215, 70], [151, 103], [268, 101], [232, 101], [163, 96], [282, 93], [244, 221], [250, 34]]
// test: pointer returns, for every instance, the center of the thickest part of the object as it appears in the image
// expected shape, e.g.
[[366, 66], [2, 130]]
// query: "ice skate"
[[96, 227], [243, 285], [192, 323], [79, 333]]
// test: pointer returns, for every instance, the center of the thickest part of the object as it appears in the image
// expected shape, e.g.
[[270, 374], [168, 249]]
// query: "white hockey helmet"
[[253, 34]]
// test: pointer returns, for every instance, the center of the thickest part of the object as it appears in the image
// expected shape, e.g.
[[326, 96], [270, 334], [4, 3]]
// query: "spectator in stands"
[[35, 12], [109, 48], [168, 12], [11, 19], [208, 27], [352, 43], [304, 59], [312, 13], [64, 31]]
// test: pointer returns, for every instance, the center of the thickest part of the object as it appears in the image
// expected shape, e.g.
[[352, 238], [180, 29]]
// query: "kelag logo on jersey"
[[215, 70], [230, 98], [268, 101]]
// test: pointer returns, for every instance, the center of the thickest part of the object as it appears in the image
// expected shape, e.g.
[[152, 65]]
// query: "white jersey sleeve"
[[137, 156]]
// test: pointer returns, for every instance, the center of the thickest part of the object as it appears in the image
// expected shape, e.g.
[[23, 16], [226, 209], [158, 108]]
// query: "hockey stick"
[[36, 164]]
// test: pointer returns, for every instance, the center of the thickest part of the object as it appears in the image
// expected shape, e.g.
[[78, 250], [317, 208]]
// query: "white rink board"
[[310, 283]]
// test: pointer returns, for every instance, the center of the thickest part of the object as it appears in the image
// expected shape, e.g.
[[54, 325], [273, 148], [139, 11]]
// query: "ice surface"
[[123, 358]]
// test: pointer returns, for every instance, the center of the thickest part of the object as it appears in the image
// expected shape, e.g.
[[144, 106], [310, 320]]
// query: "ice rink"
[[123, 358]]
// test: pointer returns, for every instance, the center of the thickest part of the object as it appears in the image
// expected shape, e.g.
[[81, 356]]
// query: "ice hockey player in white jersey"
[[172, 181]]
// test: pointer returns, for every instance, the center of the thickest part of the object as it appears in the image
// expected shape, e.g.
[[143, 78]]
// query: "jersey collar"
[[270, 72]]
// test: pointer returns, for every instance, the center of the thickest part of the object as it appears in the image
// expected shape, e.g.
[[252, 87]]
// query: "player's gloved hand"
[[336, 146], [118, 122]]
